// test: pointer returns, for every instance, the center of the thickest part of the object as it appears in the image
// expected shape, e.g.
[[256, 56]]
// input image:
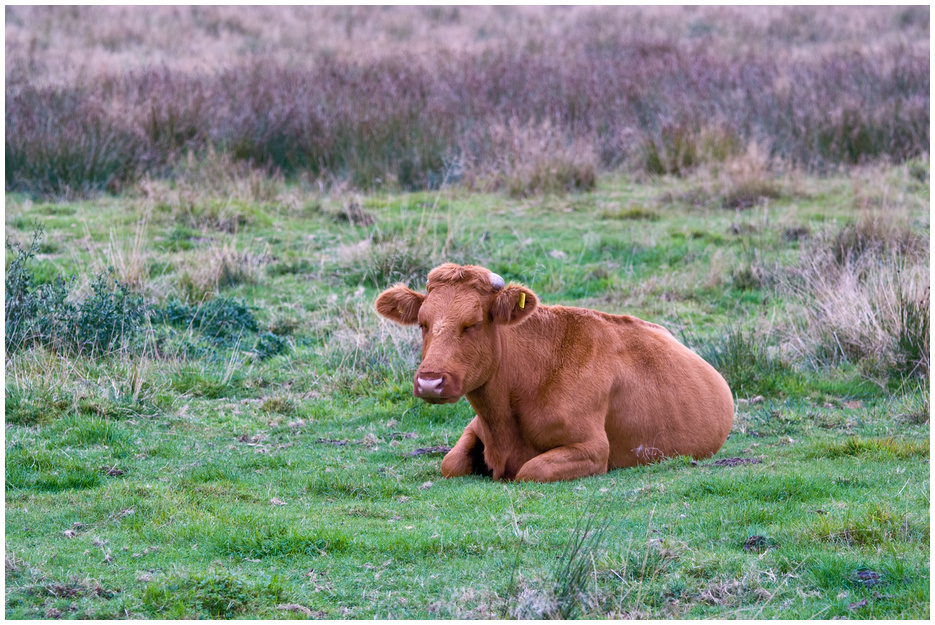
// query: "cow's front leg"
[[467, 456], [567, 462]]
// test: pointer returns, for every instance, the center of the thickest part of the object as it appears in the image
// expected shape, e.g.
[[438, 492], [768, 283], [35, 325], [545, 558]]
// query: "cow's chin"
[[440, 400]]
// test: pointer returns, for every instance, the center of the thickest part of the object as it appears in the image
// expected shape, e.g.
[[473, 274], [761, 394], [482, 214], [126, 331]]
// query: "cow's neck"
[[499, 430], [492, 400], [496, 402]]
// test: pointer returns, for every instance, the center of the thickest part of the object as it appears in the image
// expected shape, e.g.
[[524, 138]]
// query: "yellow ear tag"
[[522, 300]]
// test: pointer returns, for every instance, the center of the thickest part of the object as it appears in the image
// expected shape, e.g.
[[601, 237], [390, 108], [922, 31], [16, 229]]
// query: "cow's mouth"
[[441, 400]]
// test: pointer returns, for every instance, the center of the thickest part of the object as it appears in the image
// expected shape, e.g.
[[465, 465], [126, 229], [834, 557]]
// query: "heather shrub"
[[535, 118], [217, 318], [65, 143], [111, 316], [24, 299]]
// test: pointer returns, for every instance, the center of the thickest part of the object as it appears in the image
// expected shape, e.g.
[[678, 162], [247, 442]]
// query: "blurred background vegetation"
[[525, 99]]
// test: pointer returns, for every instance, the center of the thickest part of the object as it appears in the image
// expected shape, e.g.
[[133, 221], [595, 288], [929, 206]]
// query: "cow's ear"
[[400, 304], [513, 304]]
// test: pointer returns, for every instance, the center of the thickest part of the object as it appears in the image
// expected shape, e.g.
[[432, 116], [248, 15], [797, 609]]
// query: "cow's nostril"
[[431, 387]]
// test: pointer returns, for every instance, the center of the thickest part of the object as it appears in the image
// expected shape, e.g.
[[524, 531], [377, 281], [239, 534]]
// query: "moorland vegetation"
[[206, 418]]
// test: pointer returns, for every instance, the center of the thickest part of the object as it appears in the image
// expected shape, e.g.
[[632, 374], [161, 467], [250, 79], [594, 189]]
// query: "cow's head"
[[460, 314]]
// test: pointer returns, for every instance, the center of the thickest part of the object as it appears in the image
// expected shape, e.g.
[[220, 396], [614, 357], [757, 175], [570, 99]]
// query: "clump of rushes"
[[745, 360]]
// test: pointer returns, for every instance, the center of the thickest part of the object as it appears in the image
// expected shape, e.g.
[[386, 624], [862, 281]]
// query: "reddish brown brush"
[[418, 120]]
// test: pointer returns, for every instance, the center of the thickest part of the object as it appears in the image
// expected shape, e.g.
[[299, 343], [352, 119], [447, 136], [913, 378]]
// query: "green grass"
[[185, 476]]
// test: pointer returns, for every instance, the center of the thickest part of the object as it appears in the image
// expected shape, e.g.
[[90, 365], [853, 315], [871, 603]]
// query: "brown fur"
[[559, 392]]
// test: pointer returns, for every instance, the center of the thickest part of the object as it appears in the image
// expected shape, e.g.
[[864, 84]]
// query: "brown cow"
[[559, 392]]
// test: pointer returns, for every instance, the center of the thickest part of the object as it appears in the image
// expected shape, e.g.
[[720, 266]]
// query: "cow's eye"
[[425, 327], [467, 329]]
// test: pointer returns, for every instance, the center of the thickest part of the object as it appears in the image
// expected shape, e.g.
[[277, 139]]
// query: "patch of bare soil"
[[423, 451], [736, 462]]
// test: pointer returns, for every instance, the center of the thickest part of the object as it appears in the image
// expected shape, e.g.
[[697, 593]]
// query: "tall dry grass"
[[526, 159], [647, 96], [205, 272], [861, 293]]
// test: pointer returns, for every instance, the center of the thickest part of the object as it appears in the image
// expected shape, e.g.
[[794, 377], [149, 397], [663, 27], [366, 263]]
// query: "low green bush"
[[46, 314], [112, 317]]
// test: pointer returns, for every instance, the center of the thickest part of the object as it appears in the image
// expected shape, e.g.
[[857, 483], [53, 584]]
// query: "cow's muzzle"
[[436, 388]]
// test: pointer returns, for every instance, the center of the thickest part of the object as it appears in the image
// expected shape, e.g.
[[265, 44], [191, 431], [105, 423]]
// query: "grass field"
[[180, 473], [205, 417]]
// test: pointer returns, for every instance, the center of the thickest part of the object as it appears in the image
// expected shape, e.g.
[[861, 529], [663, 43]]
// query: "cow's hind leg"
[[467, 456], [567, 462]]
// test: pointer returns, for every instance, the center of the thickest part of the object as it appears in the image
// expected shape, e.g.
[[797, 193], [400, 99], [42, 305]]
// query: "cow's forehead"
[[453, 301]]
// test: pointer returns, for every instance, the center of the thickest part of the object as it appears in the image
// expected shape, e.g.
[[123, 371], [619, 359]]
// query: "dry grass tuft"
[[858, 303], [216, 192], [401, 253], [878, 233], [735, 592], [465, 604], [363, 349], [746, 179], [857, 311], [862, 291], [203, 273], [129, 259], [218, 174], [13, 565], [677, 149], [535, 604], [351, 211], [740, 180], [384, 262], [532, 159]]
